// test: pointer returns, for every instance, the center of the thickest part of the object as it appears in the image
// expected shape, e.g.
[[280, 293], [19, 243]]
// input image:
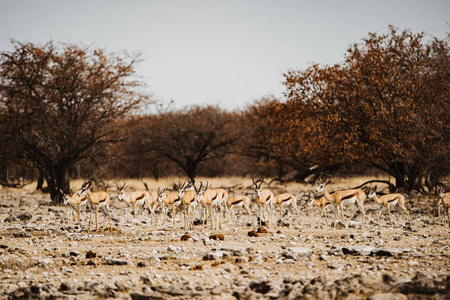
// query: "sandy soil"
[[42, 256]]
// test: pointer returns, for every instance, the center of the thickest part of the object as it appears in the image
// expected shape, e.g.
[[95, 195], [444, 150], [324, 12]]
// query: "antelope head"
[[200, 191], [322, 185], [84, 188], [160, 194], [181, 189], [257, 185], [121, 190], [372, 192], [65, 196]]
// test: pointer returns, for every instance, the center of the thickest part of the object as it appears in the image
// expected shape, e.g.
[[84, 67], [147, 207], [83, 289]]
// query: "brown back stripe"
[[396, 198], [348, 197], [236, 201], [140, 197], [284, 200]]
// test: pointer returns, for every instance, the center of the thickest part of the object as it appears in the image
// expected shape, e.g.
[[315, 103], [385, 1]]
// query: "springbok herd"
[[217, 204]]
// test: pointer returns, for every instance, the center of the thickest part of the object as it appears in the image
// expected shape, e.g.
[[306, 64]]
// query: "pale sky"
[[220, 52]]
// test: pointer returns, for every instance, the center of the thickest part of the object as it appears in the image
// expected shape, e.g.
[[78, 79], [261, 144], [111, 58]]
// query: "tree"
[[62, 104], [259, 131], [189, 137], [407, 83], [387, 106]]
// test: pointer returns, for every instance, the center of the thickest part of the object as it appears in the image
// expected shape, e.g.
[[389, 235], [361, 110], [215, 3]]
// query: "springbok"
[[98, 200], [155, 200], [286, 200], [444, 202], [324, 204], [136, 199], [344, 198], [186, 197], [389, 201], [264, 200], [213, 200], [76, 203], [238, 201], [167, 205]]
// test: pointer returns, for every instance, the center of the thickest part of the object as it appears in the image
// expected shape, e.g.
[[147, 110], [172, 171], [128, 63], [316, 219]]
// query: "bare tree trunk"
[[3, 172], [57, 181], [40, 182]]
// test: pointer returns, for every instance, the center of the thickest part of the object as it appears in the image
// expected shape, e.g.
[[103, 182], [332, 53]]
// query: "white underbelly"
[[393, 203], [239, 205], [140, 202], [286, 203], [102, 206], [83, 204], [216, 203], [349, 201]]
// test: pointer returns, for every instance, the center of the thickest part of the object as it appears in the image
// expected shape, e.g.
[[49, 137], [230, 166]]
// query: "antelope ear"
[[328, 182]]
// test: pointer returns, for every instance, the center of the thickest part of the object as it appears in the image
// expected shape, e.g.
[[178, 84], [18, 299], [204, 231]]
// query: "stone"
[[253, 233], [262, 230], [385, 251], [116, 262], [260, 287], [43, 262], [297, 253], [91, 254], [235, 251], [74, 253], [141, 296], [22, 234], [217, 236], [241, 259], [185, 237], [24, 217], [363, 250], [214, 255], [10, 219], [388, 296]]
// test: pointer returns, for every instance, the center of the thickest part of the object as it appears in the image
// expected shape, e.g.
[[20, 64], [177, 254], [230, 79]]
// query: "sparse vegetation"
[[295, 257]]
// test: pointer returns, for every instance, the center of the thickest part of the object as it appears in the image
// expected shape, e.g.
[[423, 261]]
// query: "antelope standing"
[[98, 200], [167, 205], [344, 198], [323, 203], [389, 200], [286, 200], [135, 199], [213, 200], [444, 201], [374, 211], [238, 201], [186, 197], [76, 203], [263, 199], [153, 201]]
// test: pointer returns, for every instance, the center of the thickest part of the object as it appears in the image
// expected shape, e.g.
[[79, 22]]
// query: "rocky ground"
[[42, 256]]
